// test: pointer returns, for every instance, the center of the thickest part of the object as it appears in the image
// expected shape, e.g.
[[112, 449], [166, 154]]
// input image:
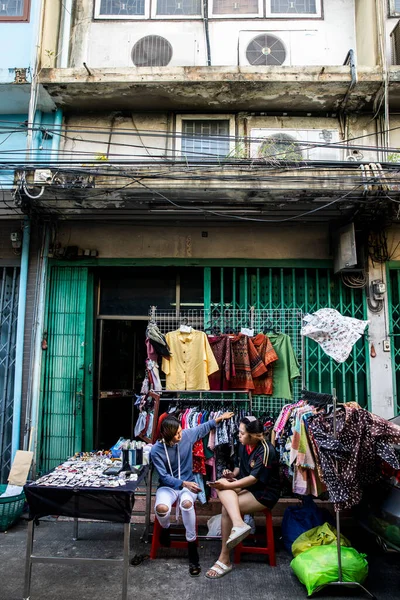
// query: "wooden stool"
[[268, 549], [155, 542]]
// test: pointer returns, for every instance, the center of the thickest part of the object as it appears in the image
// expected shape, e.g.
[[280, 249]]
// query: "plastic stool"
[[268, 550], [155, 542]]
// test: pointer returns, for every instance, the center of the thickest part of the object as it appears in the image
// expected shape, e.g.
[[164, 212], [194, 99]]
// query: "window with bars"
[[178, 7], [236, 7], [300, 7], [205, 139], [14, 10], [120, 8]]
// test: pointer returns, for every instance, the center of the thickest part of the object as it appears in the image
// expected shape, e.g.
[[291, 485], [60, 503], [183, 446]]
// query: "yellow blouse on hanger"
[[191, 361]]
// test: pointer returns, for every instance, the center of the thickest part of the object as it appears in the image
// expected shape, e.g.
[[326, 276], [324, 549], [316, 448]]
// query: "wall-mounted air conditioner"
[[295, 144], [151, 48], [280, 48], [177, 50]]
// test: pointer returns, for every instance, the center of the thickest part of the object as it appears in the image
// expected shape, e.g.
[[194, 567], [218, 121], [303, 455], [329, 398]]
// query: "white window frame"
[[101, 17], [197, 117], [297, 16], [154, 14], [258, 15], [392, 9]]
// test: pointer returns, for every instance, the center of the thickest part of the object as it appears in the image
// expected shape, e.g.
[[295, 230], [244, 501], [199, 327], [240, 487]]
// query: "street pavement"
[[167, 577]]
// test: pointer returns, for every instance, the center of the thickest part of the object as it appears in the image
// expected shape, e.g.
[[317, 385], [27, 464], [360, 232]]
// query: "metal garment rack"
[[288, 321], [340, 582]]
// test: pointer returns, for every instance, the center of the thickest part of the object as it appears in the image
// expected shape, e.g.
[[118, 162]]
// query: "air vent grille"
[[266, 49], [152, 51]]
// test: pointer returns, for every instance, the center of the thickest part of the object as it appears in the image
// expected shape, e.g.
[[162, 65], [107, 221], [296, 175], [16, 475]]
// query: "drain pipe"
[[207, 32], [32, 411], [66, 34], [19, 350]]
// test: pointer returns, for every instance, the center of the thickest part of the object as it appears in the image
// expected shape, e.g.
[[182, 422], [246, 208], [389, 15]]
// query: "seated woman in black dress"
[[251, 487]]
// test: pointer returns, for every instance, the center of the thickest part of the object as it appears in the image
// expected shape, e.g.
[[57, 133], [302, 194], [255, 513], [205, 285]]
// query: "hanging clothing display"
[[264, 383], [157, 341], [191, 361], [248, 363], [363, 441], [286, 368], [222, 350], [335, 333]]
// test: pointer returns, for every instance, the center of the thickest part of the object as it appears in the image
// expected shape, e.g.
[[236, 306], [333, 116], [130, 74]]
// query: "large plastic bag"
[[319, 566], [298, 519], [214, 526], [323, 535]]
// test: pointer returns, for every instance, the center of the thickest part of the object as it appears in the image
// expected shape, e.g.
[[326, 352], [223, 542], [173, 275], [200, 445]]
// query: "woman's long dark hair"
[[168, 429]]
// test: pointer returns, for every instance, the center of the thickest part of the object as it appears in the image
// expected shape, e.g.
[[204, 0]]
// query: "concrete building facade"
[[202, 156]]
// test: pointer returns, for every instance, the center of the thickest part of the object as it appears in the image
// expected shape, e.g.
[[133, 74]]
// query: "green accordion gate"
[[394, 320], [306, 289]]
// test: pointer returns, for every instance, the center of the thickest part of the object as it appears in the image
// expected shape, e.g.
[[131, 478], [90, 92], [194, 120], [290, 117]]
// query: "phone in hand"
[[210, 482]]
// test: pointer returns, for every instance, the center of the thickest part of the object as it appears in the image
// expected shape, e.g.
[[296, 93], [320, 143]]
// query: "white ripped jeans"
[[168, 496]]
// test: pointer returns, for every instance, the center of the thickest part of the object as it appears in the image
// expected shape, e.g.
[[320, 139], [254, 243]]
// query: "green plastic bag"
[[319, 566], [318, 536]]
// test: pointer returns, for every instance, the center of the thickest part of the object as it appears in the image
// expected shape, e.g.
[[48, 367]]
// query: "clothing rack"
[[339, 582], [221, 317]]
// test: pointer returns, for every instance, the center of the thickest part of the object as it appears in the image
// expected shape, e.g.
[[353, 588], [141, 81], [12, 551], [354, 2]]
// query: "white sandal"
[[237, 535], [220, 569]]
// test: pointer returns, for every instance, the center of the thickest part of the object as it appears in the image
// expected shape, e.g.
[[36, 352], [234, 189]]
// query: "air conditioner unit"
[[395, 35], [159, 50], [279, 48], [286, 144], [153, 47]]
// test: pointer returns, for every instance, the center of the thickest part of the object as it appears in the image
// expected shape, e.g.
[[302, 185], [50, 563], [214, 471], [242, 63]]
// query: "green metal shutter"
[[394, 321], [64, 366], [307, 289], [9, 282]]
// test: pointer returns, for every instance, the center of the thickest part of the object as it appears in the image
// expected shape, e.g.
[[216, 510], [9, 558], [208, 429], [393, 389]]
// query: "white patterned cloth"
[[335, 333]]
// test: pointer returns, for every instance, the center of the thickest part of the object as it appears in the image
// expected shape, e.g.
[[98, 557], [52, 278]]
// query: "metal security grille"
[[8, 330], [307, 290], [152, 51], [223, 317], [266, 49], [122, 7], [294, 6], [232, 7], [12, 8], [394, 310], [179, 7], [205, 139]]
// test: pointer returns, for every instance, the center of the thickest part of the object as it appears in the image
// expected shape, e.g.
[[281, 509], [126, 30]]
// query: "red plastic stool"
[[155, 542], [268, 550]]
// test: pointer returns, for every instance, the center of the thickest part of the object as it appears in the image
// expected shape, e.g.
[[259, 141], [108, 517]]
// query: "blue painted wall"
[[18, 42]]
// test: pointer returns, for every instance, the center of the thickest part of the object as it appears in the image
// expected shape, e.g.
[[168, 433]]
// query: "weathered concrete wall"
[[7, 254], [130, 136], [103, 43], [128, 241]]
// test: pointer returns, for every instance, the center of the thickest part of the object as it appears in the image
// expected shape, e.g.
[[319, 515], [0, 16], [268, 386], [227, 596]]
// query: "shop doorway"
[[121, 369], [124, 298]]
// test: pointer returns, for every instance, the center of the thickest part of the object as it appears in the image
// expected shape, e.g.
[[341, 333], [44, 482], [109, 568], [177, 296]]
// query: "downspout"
[[32, 411], [66, 34], [55, 142], [207, 32], [351, 61], [19, 350]]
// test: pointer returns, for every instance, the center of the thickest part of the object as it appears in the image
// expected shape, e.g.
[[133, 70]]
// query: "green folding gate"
[[9, 280], [307, 289], [394, 324], [64, 369]]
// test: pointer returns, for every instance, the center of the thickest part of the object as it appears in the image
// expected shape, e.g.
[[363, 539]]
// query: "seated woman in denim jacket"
[[251, 487], [172, 458]]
